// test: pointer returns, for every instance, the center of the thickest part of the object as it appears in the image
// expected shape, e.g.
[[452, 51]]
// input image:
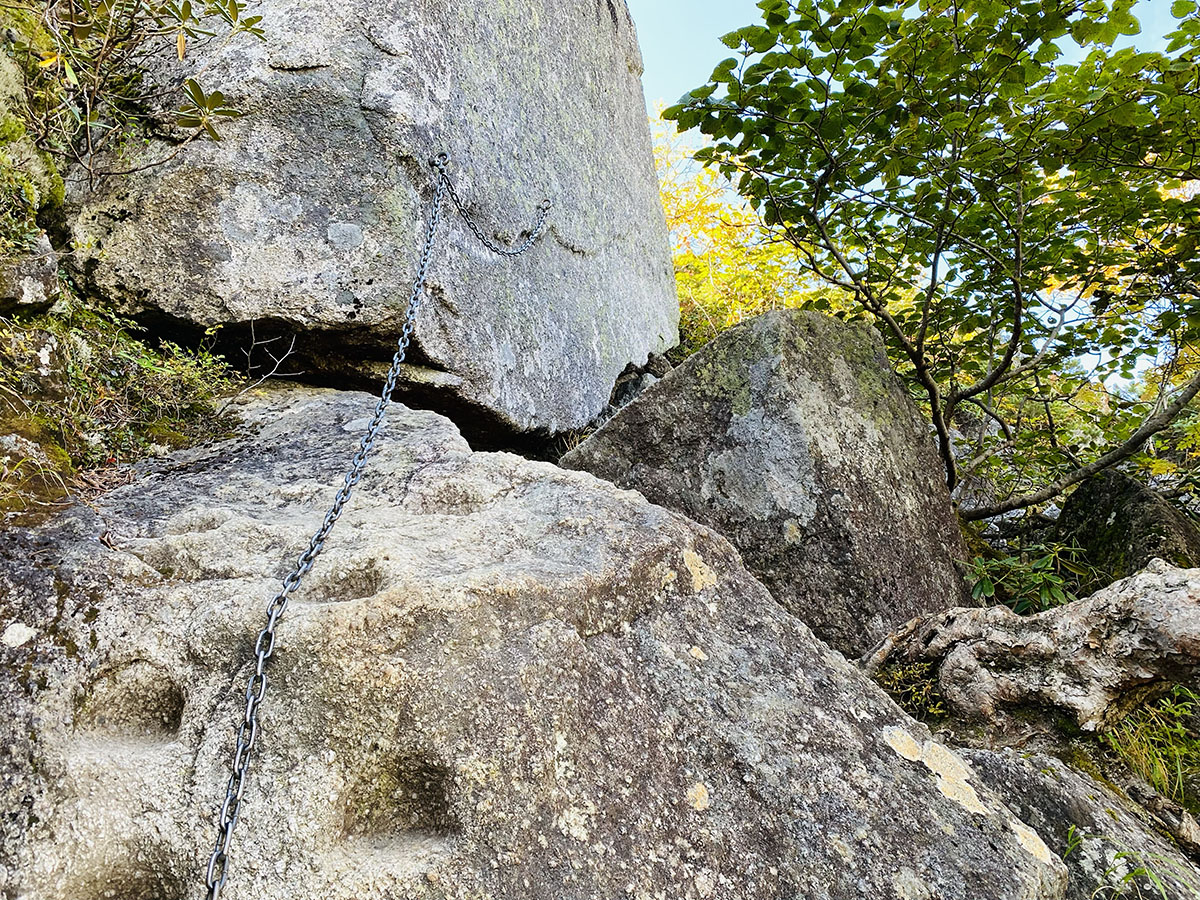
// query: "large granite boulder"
[[503, 680], [1112, 846], [307, 217], [790, 435], [1120, 525]]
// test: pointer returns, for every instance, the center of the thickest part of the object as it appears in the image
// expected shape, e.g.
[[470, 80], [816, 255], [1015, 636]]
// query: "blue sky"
[[681, 38]]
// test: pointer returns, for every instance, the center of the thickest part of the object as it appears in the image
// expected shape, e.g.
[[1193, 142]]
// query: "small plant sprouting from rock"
[[1139, 874], [915, 687], [1133, 873], [1038, 578], [1160, 743]]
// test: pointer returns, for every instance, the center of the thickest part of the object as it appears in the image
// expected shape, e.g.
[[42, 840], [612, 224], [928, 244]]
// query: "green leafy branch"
[[85, 64]]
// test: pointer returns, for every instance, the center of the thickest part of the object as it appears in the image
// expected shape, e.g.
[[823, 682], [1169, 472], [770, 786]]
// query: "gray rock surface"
[[308, 216], [1120, 525], [1112, 846], [1093, 660], [790, 435], [30, 282], [503, 680]]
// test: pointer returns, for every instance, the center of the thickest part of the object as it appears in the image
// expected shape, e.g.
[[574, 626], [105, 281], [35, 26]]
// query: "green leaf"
[[194, 92]]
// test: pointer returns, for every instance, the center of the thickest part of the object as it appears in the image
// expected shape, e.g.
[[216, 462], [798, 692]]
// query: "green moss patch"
[[80, 389]]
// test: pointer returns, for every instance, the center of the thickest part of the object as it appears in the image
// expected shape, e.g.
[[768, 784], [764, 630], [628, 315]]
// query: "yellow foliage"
[[728, 267]]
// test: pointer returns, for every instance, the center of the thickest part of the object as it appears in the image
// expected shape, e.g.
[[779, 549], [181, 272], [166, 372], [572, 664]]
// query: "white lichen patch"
[[842, 848], [952, 773], [564, 767], [909, 886], [1032, 841], [702, 575], [18, 633], [573, 822]]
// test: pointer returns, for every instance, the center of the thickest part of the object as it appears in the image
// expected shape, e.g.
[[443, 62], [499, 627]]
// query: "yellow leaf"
[[181, 44], [49, 61]]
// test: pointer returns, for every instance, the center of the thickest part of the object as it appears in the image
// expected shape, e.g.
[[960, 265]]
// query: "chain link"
[[531, 236], [264, 646]]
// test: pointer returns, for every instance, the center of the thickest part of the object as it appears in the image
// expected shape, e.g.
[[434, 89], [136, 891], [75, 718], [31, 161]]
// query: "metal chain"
[[264, 647], [543, 212]]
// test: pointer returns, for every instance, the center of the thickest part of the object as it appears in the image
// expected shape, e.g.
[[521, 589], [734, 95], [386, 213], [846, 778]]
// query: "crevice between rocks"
[[336, 359]]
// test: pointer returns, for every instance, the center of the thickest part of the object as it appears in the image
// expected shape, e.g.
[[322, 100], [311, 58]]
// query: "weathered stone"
[[1120, 525], [31, 188], [308, 216], [1093, 660], [34, 467], [30, 282], [790, 435], [1103, 836], [503, 680]]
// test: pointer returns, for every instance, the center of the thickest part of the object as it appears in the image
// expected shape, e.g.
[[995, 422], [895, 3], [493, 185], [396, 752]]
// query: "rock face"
[[34, 466], [30, 282], [1103, 837], [308, 216], [1094, 659], [1120, 525], [30, 191], [790, 435], [503, 680]]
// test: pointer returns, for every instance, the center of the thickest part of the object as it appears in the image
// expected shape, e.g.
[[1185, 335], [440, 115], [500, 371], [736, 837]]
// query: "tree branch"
[[1150, 427]]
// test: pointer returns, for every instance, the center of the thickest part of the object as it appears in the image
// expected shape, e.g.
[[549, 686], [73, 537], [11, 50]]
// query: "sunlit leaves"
[[1009, 218], [204, 110], [728, 267]]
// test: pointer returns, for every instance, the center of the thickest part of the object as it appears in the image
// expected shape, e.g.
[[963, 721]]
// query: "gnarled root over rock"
[[1093, 660]]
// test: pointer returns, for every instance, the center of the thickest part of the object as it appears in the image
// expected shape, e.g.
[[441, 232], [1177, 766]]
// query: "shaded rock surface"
[[1093, 660], [1120, 525], [33, 192], [1103, 837], [308, 217], [790, 435], [30, 282], [502, 680]]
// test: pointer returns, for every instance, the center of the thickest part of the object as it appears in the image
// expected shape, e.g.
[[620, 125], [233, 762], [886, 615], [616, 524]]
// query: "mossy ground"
[[81, 390], [87, 391]]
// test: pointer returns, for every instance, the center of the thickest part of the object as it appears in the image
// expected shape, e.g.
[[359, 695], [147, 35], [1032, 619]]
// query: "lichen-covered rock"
[[1093, 660], [29, 282], [1120, 525], [30, 188], [308, 216], [503, 680], [790, 435], [34, 467], [1112, 846]]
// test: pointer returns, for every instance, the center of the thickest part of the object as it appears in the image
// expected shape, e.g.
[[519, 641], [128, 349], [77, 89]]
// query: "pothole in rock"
[[400, 805], [347, 580], [139, 699], [136, 884]]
